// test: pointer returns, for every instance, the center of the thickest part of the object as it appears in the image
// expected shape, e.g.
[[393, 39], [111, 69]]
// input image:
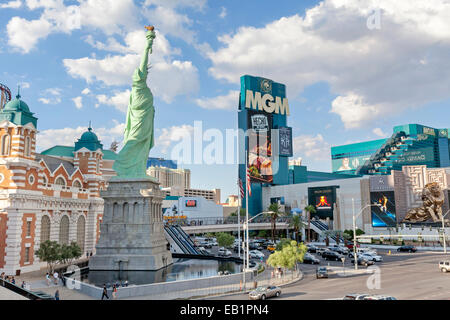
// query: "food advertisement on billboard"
[[383, 209], [323, 199], [260, 147]]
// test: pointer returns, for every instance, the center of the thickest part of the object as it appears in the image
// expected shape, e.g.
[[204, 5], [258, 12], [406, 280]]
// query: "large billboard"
[[260, 146], [416, 157], [348, 165], [383, 209], [323, 199]]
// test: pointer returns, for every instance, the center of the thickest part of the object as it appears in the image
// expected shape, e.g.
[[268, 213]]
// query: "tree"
[[288, 257], [224, 239], [68, 253], [311, 210], [298, 224], [274, 213], [50, 252], [328, 234], [282, 243]]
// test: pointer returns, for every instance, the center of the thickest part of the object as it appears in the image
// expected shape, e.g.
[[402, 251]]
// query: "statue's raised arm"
[[138, 137]]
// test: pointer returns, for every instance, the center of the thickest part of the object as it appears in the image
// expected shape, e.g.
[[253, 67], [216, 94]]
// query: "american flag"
[[241, 188], [249, 187]]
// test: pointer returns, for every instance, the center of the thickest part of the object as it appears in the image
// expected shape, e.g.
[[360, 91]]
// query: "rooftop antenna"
[[90, 128], [18, 91]]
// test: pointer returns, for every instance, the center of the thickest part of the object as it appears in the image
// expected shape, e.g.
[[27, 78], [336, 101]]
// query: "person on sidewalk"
[[114, 292], [105, 292], [47, 278], [56, 277], [57, 295]]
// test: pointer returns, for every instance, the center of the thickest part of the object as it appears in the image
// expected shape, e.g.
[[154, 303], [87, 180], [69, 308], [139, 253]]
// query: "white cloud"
[[78, 101], [379, 132], [402, 65], [198, 4], [223, 12], [86, 91], [312, 147], [225, 102], [23, 35], [167, 78], [14, 4], [171, 135], [51, 96], [119, 101]]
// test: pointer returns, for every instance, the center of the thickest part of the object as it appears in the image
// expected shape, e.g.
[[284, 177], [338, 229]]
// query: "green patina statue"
[[138, 136]]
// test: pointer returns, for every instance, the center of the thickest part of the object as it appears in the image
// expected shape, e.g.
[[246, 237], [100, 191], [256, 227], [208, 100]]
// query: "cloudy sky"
[[353, 69]]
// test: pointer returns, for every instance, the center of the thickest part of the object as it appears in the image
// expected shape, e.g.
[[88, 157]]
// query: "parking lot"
[[405, 276]]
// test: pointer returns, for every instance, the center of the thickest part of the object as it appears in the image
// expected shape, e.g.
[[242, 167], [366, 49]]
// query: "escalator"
[[180, 240]]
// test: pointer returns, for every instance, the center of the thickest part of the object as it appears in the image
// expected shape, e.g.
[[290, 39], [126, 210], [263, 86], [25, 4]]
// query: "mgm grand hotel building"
[[388, 184]]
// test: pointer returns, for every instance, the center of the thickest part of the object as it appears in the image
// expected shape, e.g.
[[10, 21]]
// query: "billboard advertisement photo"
[[383, 210], [323, 199]]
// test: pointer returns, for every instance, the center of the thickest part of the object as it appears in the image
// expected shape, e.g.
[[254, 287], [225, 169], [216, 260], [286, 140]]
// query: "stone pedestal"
[[132, 231]]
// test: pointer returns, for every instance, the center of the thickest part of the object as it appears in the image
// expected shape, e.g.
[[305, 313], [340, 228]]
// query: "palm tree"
[[311, 210], [298, 224], [274, 213]]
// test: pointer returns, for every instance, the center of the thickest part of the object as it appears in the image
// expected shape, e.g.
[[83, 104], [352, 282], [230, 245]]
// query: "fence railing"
[[21, 291], [227, 220]]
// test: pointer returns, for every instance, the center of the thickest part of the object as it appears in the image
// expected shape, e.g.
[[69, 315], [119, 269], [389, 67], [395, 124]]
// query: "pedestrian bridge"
[[229, 224]]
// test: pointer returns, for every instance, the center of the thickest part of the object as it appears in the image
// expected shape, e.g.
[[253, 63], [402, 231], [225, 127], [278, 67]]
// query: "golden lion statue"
[[433, 198]]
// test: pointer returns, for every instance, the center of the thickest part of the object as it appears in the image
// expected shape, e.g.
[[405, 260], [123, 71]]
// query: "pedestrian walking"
[[114, 292], [13, 281], [47, 278], [105, 292], [63, 279], [23, 285], [57, 295], [55, 277]]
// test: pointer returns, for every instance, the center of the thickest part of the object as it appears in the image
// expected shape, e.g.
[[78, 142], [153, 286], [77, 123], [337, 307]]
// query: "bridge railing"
[[227, 220]]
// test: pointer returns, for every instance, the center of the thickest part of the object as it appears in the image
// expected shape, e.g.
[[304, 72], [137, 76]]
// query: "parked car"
[[338, 250], [312, 248], [378, 297], [332, 255], [255, 246], [205, 244], [310, 259], [271, 247], [262, 293], [319, 251], [363, 262], [355, 296], [350, 245], [255, 254], [342, 248], [407, 249], [444, 266], [321, 272]]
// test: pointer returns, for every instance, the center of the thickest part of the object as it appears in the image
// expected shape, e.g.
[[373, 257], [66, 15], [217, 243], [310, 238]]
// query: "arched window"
[[60, 181], [45, 180], [27, 147], [64, 230], [81, 225], [6, 141], [77, 184], [45, 228]]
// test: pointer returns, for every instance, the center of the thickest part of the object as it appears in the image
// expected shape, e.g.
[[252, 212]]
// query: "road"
[[405, 276]]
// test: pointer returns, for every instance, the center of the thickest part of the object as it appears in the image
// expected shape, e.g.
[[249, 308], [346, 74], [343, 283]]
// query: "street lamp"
[[443, 231], [354, 229]]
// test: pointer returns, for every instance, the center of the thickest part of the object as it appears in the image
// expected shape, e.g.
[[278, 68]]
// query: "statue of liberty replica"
[[132, 231]]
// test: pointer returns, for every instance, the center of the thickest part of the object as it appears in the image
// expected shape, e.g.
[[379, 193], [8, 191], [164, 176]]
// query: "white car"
[[255, 254], [371, 257], [225, 253]]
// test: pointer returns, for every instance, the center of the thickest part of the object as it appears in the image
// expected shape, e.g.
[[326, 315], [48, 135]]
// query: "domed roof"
[[16, 105], [88, 140], [89, 136]]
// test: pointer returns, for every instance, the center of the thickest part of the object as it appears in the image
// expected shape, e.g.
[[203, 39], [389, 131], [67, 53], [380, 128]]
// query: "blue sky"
[[352, 70]]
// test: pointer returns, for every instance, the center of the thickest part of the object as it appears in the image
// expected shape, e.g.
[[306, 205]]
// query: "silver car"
[[262, 293]]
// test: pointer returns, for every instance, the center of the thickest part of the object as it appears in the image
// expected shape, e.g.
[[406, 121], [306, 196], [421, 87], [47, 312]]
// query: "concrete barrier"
[[182, 289]]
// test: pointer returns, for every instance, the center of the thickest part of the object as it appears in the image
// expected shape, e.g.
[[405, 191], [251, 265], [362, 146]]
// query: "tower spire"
[[90, 127], [18, 91]]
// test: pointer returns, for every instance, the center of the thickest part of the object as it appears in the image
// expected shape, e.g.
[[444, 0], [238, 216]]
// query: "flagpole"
[[247, 181], [239, 217]]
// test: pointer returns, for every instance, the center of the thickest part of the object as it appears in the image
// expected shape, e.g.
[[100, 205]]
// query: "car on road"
[[205, 244], [355, 296], [255, 254], [262, 293], [321, 272], [444, 266], [224, 252], [271, 248], [255, 246], [332, 255], [310, 259], [350, 245], [372, 257], [363, 262], [362, 251], [407, 249], [378, 297]]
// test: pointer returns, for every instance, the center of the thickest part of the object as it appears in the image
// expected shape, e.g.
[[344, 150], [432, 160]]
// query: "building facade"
[[43, 197], [169, 177]]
